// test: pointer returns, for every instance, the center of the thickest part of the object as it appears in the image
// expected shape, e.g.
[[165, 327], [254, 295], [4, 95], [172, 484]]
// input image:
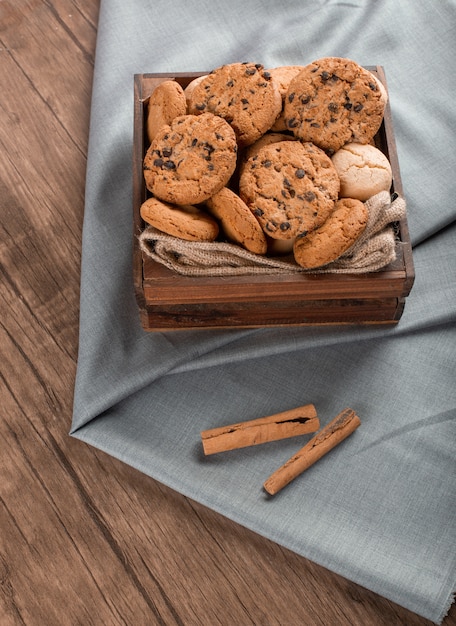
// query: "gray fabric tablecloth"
[[381, 508]]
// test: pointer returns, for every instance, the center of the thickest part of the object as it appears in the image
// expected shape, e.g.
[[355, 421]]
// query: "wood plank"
[[84, 538], [163, 286], [265, 313]]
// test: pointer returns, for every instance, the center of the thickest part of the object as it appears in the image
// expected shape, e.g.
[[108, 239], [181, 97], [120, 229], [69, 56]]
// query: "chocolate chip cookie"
[[184, 221], [290, 187], [166, 102], [190, 159], [265, 140], [243, 94], [338, 233], [333, 101], [283, 76], [237, 221]]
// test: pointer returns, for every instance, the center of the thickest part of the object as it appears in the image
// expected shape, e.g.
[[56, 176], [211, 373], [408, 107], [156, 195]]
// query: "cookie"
[[237, 221], [191, 159], [290, 187], [338, 233], [244, 95], [265, 140], [282, 76], [334, 101], [166, 102], [184, 221], [280, 247], [363, 171], [381, 86], [191, 86]]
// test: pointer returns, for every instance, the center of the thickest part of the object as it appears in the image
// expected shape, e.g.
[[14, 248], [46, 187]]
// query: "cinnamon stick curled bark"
[[298, 421], [343, 425]]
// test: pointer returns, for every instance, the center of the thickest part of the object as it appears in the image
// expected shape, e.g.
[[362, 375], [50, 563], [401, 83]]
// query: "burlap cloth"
[[375, 249]]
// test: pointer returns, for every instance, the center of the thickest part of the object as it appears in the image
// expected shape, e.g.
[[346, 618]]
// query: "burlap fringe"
[[374, 250]]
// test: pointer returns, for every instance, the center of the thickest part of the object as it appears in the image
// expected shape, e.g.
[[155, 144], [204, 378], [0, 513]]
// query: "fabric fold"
[[373, 251], [380, 508]]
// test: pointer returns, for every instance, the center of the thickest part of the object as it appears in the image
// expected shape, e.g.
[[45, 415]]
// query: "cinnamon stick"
[[290, 423], [343, 425]]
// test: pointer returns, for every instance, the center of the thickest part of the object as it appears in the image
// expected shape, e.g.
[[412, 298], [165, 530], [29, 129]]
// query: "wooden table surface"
[[85, 539]]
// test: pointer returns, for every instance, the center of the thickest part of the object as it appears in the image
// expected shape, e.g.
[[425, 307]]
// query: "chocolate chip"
[[332, 106], [305, 99], [300, 173], [373, 86], [359, 107], [250, 71], [194, 142], [200, 107], [207, 146], [292, 122], [230, 83], [309, 196], [285, 226], [169, 165], [315, 125], [267, 163], [325, 76], [258, 212], [158, 162], [167, 152], [287, 185], [209, 149], [291, 97], [348, 105], [267, 75]]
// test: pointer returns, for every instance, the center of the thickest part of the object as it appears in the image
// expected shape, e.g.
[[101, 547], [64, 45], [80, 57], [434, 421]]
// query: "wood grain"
[[85, 539]]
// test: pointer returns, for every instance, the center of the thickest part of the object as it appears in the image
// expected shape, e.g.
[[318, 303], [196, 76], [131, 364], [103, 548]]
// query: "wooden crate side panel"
[[262, 314]]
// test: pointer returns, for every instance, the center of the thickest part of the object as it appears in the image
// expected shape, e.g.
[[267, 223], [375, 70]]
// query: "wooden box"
[[168, 301]]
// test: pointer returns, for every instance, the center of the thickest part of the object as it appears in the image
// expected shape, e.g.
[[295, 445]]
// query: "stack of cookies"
[[277, 161]]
